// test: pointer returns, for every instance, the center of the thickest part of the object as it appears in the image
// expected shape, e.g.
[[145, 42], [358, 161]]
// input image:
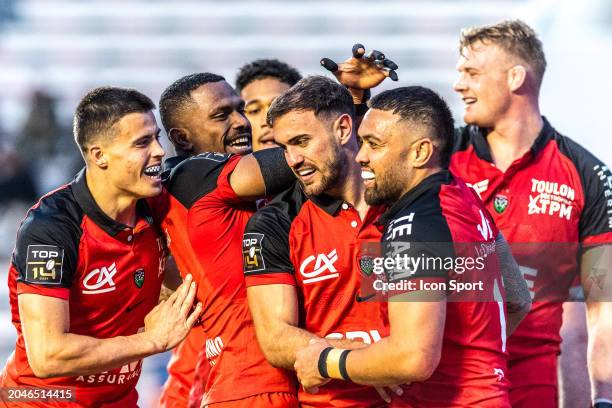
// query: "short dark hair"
[[314, 93], [514, 37], [423, 107], [175, 96], [266, 68], [101, 108]]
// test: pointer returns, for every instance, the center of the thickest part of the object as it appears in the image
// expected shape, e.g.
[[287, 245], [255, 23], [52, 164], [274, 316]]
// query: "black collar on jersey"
[[481, 146], [432, 181], [328, 204], [83, 196]]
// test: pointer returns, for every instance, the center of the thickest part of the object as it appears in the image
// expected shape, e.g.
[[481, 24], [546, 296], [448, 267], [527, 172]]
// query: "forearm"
[[386, 363], [281, 353], [73, 355], [599, 354], [518, 299]]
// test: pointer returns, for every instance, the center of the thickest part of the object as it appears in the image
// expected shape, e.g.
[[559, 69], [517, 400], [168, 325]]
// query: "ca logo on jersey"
[[322, 269], [100, 280]]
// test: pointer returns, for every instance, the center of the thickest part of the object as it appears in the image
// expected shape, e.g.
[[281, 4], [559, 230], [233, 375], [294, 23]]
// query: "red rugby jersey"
[[443, 218], [110, 273], [314, 243], [205, 220], [555, 198]]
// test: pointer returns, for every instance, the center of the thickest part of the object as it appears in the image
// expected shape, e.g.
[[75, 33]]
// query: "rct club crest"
[[366, 264], [500, 203], [139, 277]]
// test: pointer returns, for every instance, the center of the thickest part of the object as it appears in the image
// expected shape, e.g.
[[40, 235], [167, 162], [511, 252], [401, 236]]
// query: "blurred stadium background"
[[53, 51]]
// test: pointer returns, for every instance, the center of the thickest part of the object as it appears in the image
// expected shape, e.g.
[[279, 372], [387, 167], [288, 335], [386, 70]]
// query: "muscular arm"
[[275, 314], [53, 351], [596, 277], [518, 300], [410, 353], [263, 173]]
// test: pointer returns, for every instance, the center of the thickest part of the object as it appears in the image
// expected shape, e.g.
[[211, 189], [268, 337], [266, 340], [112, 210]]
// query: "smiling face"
[[133, 157], [483, 83], [258, 96], [387, 155], [215, 120], [312, 150]]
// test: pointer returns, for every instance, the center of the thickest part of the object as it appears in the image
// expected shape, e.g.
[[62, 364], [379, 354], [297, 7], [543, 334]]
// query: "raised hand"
[[171, 320], [362, 72]]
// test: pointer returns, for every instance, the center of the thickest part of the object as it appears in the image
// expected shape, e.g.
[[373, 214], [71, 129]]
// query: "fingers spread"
[[329, 65], [376, 55]]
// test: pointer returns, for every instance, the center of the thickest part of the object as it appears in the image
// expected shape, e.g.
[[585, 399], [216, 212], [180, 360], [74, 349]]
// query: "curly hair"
[[266, 68]]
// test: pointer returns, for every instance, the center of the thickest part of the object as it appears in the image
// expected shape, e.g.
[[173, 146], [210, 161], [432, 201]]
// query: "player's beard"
[[333, 172], [388, 187]]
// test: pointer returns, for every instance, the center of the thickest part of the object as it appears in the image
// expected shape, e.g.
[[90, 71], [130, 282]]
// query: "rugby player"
[[452, 352], [541, 187], [301, 250], [210, 197], [88, 264], [259, 83]]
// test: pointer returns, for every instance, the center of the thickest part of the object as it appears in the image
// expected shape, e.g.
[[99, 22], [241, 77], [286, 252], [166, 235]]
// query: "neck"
[[419, 176], [111, 201], [351, 189], [513, 135]]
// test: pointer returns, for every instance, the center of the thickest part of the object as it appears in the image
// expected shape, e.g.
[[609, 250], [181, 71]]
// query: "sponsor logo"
[[139, 277], [214, 348], [100, 280], [367, 337], [530, 275], [126, 374], [500, 203], [44, 264], [323, 268], [134, 306], [252, 257], [551, 198], [480, 186], [216, 157], [484, 227], [400, 227], [499, 373], [605, 177]]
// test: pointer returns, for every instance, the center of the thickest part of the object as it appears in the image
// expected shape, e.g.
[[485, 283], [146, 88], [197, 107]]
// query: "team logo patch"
[[252, 257], [500, 203], [139, 277], [44, 264], [366, 264], [216, 157]]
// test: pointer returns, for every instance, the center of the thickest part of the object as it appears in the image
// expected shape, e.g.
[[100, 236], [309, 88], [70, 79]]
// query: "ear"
[[180, 139], [343, 128], [96, 155], [421, 154], [516, 77]]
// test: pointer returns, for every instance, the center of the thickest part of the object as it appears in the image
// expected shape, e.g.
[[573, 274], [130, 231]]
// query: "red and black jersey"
[[109, 273], [441, 218], [315, 244], [555, 198], [204, 220]]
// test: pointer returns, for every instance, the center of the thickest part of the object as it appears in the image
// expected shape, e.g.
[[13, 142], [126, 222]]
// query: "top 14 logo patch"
[[252, 257], [44, 264]]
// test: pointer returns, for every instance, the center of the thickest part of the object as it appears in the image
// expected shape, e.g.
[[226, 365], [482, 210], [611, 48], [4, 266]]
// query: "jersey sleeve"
[[45, 257], [595, 225], [418, 247], [265, 249], [200, 175]]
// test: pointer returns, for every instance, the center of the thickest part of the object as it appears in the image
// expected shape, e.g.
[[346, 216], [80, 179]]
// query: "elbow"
[[419, 365], [44, 363]]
